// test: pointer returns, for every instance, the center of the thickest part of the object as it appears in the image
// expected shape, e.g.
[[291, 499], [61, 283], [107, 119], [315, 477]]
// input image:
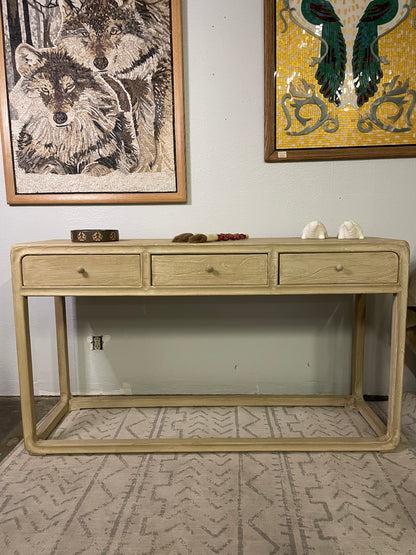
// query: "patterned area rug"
[[242, 504]]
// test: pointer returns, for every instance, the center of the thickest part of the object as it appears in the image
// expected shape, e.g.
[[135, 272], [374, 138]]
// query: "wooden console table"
[[249, 267]]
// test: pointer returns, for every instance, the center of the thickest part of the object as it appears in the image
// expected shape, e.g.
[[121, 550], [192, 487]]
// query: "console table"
[[249, 267]]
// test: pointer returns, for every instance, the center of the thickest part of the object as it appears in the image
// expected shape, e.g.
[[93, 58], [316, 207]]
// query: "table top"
[[319, 244]]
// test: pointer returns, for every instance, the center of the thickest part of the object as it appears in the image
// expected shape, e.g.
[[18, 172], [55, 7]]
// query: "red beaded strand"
[[231, 236]]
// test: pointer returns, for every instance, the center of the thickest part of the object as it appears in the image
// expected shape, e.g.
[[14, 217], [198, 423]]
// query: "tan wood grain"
[[52, 419], [358, 344], [221, 269], [335, 268], [5, 127], [158, 267], [62, 350], [125, 401], [208, 445], [371, 417], [82, 270]]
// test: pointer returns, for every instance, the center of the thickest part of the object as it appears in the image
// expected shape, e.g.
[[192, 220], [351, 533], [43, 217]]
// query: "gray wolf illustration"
[[72, 120], [128, 40]]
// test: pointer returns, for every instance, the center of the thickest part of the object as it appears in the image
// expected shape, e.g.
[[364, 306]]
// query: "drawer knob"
[[210, 269], [339, 267], [81, 270]]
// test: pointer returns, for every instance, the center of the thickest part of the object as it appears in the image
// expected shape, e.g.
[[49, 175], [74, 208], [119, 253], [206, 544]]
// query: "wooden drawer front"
[[338, 268], [207, 270], [83, 270]]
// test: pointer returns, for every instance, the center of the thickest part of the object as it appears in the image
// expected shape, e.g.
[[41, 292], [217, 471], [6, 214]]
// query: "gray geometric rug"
[[227, 503]]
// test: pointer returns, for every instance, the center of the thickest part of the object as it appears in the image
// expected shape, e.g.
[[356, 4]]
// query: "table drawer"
[[338, 268], [209, 270], [81, 270]]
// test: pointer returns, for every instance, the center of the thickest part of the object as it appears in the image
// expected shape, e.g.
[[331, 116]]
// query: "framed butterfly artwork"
[[340, 79]]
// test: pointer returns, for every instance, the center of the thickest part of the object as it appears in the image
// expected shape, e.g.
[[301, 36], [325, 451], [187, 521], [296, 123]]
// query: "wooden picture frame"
[[92, 112], [328, 94]]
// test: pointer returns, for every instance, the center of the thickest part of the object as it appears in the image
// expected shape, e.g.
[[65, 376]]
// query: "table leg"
[[358, 342], [398, 335], [24, 359], [62, 348], [53, 418]]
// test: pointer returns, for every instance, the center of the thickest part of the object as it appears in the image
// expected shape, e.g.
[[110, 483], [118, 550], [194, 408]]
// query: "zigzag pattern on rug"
[[242, 504]]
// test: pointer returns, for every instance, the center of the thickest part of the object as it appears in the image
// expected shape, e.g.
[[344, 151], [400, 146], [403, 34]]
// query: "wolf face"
[[128, 40], [72, 121], [112, 36]]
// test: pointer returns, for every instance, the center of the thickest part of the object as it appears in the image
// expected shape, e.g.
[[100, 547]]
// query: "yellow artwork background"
[[294, 50]]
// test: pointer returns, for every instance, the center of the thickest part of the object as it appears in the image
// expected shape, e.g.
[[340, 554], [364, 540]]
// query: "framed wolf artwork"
[[92, 101], [340, 79]]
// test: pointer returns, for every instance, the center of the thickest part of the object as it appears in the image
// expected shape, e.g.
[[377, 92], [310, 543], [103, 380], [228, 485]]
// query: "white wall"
[[220, 344]]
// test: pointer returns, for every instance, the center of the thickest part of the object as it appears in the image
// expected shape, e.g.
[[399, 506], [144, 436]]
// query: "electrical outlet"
[[97, 342]]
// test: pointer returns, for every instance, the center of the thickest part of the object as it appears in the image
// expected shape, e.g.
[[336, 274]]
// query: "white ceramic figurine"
[[350, 230], [314, 230]]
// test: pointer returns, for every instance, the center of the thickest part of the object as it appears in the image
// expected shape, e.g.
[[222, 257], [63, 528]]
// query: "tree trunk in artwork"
[[27, 23], [15, 31]]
